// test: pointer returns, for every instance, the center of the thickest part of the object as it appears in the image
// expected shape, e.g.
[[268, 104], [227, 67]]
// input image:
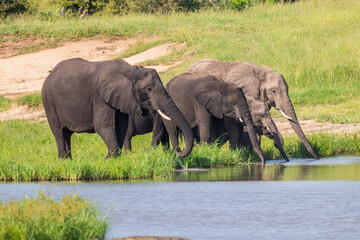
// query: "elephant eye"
[[149, 89], [273, 91], [234, 103]]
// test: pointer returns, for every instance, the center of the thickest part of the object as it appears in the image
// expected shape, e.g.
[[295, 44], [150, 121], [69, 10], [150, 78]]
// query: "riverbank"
[[28, 153]]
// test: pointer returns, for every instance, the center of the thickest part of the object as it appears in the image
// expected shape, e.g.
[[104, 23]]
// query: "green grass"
[[138, 47], [32, 100], [314, 44], [72, 217], [5, 104], [28, 153]]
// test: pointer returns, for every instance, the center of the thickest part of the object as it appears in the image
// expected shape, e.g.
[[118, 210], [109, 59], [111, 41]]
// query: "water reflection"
[[298, 169]]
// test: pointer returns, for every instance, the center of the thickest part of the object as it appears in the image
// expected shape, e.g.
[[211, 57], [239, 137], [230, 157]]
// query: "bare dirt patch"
[[26, 73], [311, 126], [23, 112]]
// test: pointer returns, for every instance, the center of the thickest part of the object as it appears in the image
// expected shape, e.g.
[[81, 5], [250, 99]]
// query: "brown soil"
[[25, 74]]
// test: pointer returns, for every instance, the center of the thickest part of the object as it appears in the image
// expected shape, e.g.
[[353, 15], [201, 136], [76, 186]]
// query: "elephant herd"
[[212, 101]]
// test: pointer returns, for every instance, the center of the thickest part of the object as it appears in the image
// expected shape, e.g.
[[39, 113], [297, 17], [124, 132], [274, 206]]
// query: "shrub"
[[239, 4], [114, 6], [8, 7], [80, 7], [44, 218]]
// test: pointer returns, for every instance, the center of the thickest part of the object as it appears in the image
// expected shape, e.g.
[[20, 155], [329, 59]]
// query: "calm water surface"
[[303, 199]]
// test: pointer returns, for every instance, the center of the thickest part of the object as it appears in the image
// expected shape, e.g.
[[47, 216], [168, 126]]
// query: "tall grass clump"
[[32, 100], [44, 218], [213, 155], [5, 104]]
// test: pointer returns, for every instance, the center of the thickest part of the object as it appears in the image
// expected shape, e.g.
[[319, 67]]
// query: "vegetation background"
[[314, 44]]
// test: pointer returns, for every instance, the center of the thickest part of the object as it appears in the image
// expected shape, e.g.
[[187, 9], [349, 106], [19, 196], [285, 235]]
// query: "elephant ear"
[[116, 90], [209, 96]]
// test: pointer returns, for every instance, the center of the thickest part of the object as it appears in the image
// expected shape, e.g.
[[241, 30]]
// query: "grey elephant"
[[82, 96], [139, 125], [207, 103], [260, 83], [264, 125]]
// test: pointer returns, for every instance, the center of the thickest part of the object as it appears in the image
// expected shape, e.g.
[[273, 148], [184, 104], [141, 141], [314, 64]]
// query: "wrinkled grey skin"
[[139, 125], [82, 96], [260, 83], [264, 125], [206, 102]]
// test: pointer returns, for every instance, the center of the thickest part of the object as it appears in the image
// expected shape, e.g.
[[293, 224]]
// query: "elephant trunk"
[[252, 135], [169, 108], [278, 145], [290, 112], [278, 140]]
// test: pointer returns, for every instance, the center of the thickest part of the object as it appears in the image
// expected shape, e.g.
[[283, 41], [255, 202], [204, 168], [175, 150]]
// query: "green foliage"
[[44, 218], [8, 7], [73, 6], [114, 6], [239, 4], [5, 103], [33, 100]]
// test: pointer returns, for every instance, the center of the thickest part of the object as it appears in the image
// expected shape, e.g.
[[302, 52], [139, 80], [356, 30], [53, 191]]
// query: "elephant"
[[207, 103], [258, 82], [97, 97], [139, 125], [264, 125]]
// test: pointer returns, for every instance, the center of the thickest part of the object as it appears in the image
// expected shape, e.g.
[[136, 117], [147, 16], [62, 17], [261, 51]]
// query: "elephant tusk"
[[163, 115], [285, 115], [268, 129], [240, 119]]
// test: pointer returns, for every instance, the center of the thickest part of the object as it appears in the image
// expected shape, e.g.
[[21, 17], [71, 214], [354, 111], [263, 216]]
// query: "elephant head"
[[265, 124], [137, 90], [260, 83], [226, 99], [274, 92]]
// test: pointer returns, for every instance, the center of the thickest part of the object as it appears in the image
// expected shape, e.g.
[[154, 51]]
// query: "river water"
[[302, 199]]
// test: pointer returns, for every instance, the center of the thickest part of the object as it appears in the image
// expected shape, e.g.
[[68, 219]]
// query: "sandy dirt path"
[[26, 73]]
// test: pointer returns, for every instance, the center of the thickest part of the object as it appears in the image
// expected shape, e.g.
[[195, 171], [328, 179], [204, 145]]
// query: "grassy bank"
[[313, 43], [44, 218], [28, 153]]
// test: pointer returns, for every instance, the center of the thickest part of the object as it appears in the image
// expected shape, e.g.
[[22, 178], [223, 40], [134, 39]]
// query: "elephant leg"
[[203, 120], [121, 126], [158, 131], [233, 130], [204, 132], [173, 133], [164, 138], [129, 133], [104, 124], [62, 135], [63, 143]]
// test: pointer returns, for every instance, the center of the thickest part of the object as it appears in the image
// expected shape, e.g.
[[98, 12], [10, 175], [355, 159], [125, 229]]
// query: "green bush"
[[78, 7], [8, 7], [239, 4], [44, 218], [114, 6]]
